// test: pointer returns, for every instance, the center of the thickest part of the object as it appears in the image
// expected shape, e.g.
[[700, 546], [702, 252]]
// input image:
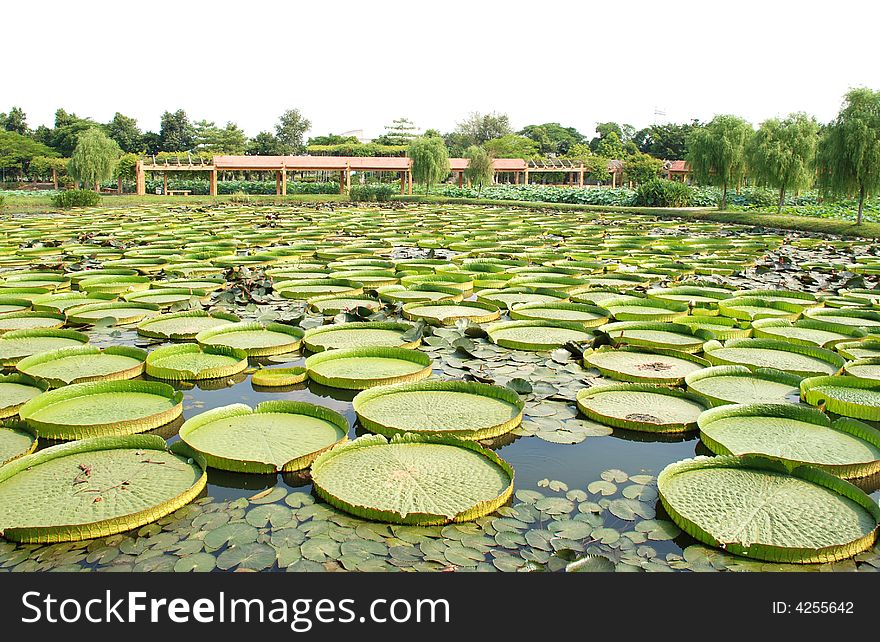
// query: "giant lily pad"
[[84, 363], [804, 332], [772, 353], [29, 321], [95, 487], [758, 508], [188, 362], [459, 408], [589, 316], [16, 440], [102, 408], [670, 336], [360, 334], [413, 479], [273, 437], [796, 434], [15, 390], [19, 344], [361, 368], [642, 407], [847, 396], [121, 312], [537, 335], [448, 312], [256, 339], [638, 365], [184, 326], [739, 384]]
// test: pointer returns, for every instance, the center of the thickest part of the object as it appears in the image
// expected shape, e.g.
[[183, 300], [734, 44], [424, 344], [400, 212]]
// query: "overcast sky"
[[359, 64]]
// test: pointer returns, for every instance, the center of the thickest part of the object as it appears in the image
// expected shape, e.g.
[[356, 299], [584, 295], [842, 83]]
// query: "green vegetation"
[[660, 192], [717, 153], [76, 198], [94, 158], [479, 169], [371, 192], [430, 160]]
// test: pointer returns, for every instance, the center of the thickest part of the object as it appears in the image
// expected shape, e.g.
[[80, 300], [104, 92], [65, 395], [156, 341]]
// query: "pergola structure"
[[281, 165], [677, 170]]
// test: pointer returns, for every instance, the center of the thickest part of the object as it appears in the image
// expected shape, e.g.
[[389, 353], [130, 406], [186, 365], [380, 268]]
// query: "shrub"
[[240, 197], [2, 200], [371, 192], [76, 198], [663, 193]]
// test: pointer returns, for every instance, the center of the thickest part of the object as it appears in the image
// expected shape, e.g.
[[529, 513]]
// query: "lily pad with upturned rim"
[[17, 439], [459, 408], [793, 433], [16, 390], [30, 321], [759, 508], [739, 384], [536, 335], [189, 361], [18, 344], [96, 488], [183, 326], [102, 408], [868, 369], [796, 359], [588, 316], [84, 363], [413, 479], [276, 436], [360, 334], [650, 334], [254, 338], [641, 365], [122, 312], [362, 368], [843, 395], [279, 377], [807, 332], [448, 312], [642, 407]]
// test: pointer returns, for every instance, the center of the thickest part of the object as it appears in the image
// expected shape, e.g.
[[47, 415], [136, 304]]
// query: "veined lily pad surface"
[[94, 487], [756, 508], [413, 479], [275, 436], [16, 440], [361, 368], [667, 367], [15, 390], [537, 335], [739, 384], [355, 335], [256, 339], [462, 409], [17, 345], [85, 363], [184, 326], [793, 358], [188, 361], [642, 407]]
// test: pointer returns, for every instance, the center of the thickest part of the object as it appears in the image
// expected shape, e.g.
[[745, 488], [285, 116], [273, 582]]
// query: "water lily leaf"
[[274, 514], [236, 534], [591, 564], [198, 563], [602, 487]]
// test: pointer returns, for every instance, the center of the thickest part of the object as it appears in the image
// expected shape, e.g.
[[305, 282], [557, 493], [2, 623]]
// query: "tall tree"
[[290, 132], [621, 134], [717, 153], [125, 131], [228, 140], [477, 129], [263, 144], [62, 138], [176, 133], [512, 146], [430, 160], [553, 138], [668, 141], [479, 170], [782, 153], [15, 121], [17, 151], [849, 150], [401, 131], [94, 159], [332, 139], [641, 168]]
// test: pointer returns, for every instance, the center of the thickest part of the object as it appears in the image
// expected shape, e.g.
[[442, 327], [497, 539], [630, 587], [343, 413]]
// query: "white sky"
[[358, 64]]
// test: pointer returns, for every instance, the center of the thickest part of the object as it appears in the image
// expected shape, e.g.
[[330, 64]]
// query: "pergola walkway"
[[345, 165]]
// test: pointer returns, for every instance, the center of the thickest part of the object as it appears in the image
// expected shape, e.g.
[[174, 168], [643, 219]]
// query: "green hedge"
[[76, 198], [663, 193], [372, 192]]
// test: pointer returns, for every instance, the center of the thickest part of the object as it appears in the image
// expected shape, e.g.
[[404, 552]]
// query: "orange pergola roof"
[[337, 163]]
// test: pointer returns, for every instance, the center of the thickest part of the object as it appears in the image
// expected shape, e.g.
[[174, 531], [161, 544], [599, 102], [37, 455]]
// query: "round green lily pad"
[[306, 288], [537, 335], [256, 339], [16, 440], [758, 508], [30, 321], [638, 365], [864, 369], [847, 396], [84, 363], [797, 434], [867, 320], [753, 308], [589, 316], [95, 488], [61, 302], [334, 304], [9, 305], [279, 377], [15, 390], [642, 407], [183, 326], [510, 297], [632, 309], [721, 328], [165, 298], [122, 312], [360, 334], [424, 292], [19, 344], [275, 436], [102, 408], [361, 368], [189, 361], [459, 408], [796, 359], [665, 335], [738, 384], [448, 312], [863, 349], [413, 479]]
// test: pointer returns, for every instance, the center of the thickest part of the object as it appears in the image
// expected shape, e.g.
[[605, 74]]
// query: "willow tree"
[[717, 153], [94, 158], [849, 150], [782, 154], [430, 160], [479, 170]]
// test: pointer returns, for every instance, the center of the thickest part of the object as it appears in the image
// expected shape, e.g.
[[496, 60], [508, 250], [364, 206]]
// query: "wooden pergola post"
[[283, 181], [342, 182], [140, 177], [347, 177], [278, 182], [55, 178], [526, 177], [403, 183], [212, 190], [460, 179], [119, 186], [164, 183], [581, 177], [409, 181]]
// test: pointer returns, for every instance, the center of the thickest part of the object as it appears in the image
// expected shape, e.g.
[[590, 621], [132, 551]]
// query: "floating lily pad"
[[643, 407], [29, 321], [448, 312], [755, 507], [361, 368], [307, 288], [589, 316], [804, 332], [509, 297], [796, 434], [864, 369], [463, 409], [360, 334], [84, 363], [739, 384], [847, 396], [753, 308], [184, 326], [796, 359], [17, 389], [537, 335], [102, 408], [256, 339], [121, 312], [94, 488], [667, 335], [188, 362], [667, 367], [413, 479], [275, 436], [19, 344], [279, 377], [16, 440], [632, 309]]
